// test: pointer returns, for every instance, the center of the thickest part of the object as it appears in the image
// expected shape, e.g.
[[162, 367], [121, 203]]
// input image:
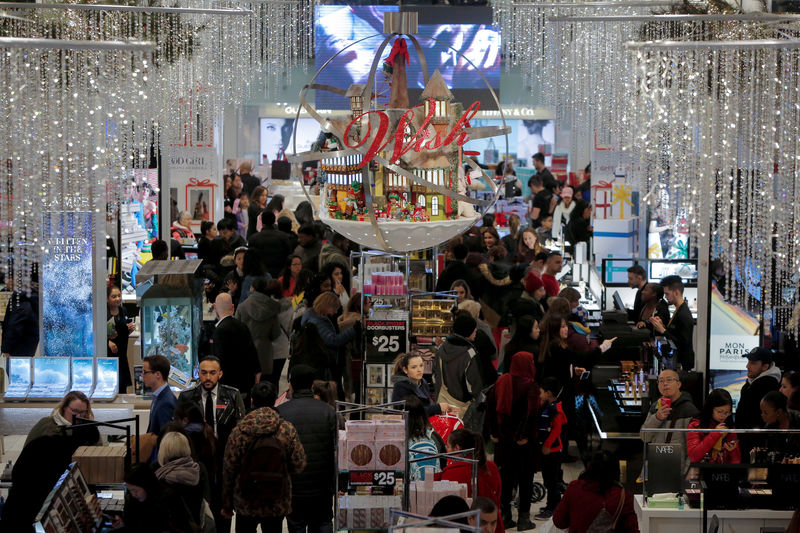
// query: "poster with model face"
[[338, 27], [277, 135], [66, 284]]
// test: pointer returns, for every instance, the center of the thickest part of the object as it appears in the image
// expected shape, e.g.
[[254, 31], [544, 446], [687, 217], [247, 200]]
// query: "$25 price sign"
[[385, 339]]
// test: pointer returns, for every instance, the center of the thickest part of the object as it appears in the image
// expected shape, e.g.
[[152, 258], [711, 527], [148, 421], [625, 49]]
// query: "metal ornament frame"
[[367, 177]]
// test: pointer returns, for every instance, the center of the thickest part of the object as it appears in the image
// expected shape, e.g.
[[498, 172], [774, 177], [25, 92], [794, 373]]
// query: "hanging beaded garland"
[[718, 138]]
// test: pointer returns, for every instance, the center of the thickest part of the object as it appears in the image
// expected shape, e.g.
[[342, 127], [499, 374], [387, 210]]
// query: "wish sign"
[[392, 171]]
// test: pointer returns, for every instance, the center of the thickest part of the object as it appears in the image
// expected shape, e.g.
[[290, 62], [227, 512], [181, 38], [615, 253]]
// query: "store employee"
[[636, 280], [680, 327]]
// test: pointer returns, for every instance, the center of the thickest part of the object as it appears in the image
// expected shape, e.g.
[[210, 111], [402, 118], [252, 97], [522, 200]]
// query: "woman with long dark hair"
[[118, 334], [512, 409], [790, 387], [597, 489], [290, 274], [709, 446]]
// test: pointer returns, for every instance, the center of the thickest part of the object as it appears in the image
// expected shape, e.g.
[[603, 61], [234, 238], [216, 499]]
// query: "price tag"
[[386, 339], [373, 478]]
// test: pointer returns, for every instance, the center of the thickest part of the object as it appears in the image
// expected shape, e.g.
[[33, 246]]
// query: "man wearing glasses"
[[673, 410], [155, 371]]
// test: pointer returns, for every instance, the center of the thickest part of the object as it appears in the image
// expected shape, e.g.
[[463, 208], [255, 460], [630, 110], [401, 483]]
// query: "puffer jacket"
[[261, 422], [327, 331], [455, 367], [259, 313], [316, 426]]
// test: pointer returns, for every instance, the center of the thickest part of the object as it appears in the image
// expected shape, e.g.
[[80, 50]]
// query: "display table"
[[730, 521]]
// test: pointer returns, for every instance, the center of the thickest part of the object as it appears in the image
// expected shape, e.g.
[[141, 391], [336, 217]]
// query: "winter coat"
[[317, 427], [582, 502], [496, 296], [578, 339], [280, 346], [683, 410], [261, 422], [458, 270], [405, 388], [333, 340], [489, 485], [521, 423], [456, 368], [333, 254], [309, 255], [273, 248], [260, 314], [701, 443], [748, 411], [552, 423], [183, 492], [21, 325]]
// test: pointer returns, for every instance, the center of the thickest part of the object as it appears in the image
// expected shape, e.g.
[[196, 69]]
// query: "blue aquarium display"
[[50, 377], [107, 378], [83, 374], [66, 285], [19, 378], [170, 326]]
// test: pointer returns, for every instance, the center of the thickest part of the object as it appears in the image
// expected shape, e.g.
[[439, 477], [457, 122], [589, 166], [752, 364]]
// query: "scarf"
[[516, 382], [59, 419], [181, 471]]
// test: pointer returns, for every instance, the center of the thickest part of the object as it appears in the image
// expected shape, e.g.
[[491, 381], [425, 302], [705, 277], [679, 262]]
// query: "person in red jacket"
[[489, 484], [512, 409], [596, 489], [709, 446], [551, 420], [552, 267]]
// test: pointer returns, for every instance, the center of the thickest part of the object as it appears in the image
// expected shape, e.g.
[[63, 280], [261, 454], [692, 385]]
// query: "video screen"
[[339, 26], [277, 134], [659, 271], [19, 371], [82, 374], [50, 376], [107, 374], [168, 332]]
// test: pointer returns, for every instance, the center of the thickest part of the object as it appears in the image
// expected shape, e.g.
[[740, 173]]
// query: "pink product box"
[[388, 283], [360, 429], [390, 429], [390, 454], [360, 454]]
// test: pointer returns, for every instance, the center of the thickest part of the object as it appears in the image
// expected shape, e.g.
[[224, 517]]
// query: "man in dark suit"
[[233, 346], [155, 372], [222, 407], [271, 244], [637, 279], [680, 328]]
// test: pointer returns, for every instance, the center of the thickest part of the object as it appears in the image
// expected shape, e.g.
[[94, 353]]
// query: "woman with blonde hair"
[[529, 244], [511, 241], [74, 404], [179, 478]]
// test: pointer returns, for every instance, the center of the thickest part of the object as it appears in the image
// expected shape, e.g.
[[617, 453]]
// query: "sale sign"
[[386, 339]]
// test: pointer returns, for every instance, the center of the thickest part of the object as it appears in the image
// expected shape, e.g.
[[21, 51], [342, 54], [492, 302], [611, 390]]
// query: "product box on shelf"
[[423, 495], [366, 512], [101, 464]]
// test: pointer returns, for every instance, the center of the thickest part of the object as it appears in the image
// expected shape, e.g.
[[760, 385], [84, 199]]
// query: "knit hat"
[[464, 324], [533, 282]]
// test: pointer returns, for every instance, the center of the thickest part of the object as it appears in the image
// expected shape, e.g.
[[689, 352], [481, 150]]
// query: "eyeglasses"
[[148, 371], [78, 411], [664, 381]]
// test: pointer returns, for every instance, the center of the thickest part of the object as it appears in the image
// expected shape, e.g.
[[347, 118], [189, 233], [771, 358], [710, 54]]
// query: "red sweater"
[[550, 284], [700, 443], [488, 482], [581, 503]]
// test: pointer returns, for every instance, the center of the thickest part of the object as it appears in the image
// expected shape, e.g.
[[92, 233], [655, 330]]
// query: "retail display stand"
[[70, 506], [372, 466], [383, 279], [414, 523], [424, 493]]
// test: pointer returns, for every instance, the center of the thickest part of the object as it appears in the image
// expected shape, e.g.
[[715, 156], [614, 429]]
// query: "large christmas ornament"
[[393, 174]]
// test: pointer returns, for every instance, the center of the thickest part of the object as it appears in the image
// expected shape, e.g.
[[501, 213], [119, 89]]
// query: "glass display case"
[[171, 325]]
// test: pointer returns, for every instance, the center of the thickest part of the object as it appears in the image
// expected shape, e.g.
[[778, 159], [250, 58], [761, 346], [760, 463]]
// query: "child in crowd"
[[545, 231], [551, 420]]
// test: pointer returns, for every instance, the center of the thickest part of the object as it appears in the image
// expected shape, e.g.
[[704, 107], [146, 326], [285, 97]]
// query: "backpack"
[[604, 522], [264, 474], [425, 444], [306, 347]]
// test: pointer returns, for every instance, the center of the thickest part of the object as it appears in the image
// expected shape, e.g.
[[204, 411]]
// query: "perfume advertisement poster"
[[66, 284]]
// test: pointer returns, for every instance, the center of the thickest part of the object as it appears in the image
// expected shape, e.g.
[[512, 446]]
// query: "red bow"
[[194, 182], [603, 185], [399, 49]]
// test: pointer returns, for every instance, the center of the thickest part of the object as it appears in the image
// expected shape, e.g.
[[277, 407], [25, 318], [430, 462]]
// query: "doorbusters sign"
[[727, 351]]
